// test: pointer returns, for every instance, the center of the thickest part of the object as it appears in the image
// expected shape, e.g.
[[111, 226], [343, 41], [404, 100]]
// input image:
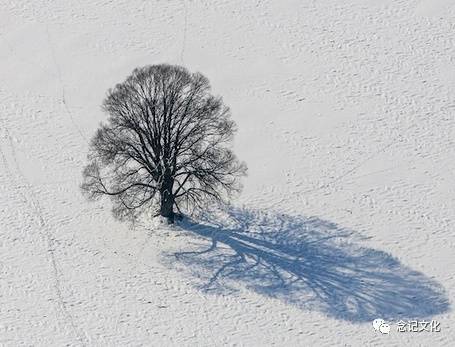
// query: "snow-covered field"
[[346, 115]]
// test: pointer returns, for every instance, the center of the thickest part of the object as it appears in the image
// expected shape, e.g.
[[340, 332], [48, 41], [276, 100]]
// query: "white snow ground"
[[346, 120]]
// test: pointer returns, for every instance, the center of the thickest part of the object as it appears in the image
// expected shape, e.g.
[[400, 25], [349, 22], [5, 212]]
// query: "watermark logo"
[[381, 326], [409, 326]]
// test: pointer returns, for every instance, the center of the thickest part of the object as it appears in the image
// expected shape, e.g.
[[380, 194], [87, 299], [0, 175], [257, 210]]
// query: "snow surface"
[[346, 120]]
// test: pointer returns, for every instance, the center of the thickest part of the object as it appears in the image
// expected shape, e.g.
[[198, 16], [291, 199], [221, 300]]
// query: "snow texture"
[[346, 120]]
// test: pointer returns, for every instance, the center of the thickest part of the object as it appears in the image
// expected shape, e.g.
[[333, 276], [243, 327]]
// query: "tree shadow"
[[310, 263]]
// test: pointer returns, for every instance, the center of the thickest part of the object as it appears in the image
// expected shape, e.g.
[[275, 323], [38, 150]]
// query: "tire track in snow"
[[60, 79], [37, 210], [185, 28]]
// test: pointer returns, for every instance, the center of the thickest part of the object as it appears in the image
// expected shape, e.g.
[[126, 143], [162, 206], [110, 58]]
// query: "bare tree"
[[165, 145]]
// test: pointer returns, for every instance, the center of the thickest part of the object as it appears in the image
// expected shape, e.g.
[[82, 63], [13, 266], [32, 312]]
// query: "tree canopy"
[[165, 146]]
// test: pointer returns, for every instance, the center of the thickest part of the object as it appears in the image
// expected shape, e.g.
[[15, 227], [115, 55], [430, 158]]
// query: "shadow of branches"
[[308, 262]]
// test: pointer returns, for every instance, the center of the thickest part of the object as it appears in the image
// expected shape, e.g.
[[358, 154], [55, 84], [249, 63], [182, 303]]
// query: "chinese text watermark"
[[413, 326]]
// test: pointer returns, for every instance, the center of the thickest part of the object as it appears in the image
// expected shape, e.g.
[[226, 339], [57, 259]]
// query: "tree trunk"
[[167, 201]]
